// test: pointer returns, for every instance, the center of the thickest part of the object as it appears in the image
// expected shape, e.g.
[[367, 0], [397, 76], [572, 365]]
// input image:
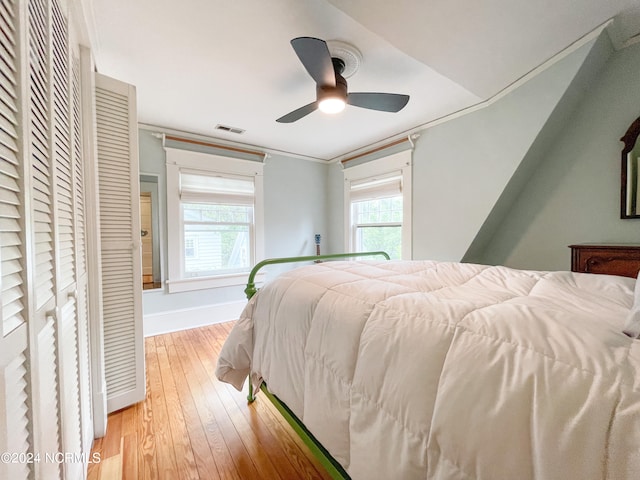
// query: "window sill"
[[201, 283]]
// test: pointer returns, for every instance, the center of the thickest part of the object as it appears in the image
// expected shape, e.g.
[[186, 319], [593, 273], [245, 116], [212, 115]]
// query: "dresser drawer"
[[621, 260]]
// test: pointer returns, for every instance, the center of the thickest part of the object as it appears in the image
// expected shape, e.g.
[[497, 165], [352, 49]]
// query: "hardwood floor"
[[191, 426]]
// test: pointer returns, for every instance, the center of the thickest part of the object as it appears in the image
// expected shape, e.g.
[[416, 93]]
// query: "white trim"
[[160, 131], [212, 163], [202, 283], [183, 319], [380, 166]]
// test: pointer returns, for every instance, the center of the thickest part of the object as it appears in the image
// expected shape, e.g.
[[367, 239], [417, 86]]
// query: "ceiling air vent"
[[226, 128]]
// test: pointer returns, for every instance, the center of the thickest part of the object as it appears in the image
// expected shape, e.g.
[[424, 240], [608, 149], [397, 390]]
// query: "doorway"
[[150, 232]]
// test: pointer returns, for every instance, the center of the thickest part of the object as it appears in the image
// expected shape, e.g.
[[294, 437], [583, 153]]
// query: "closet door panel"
[[47, 401], [40, 153], [69, 388], [13, 407], [11, 232], [84, 371], [120, 240], [61, 148], [83, 341], [14, 396], [65, 243], [43, 352], [43, 360]]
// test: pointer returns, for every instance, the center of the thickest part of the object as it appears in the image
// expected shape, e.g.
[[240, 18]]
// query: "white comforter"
[[425, 370]]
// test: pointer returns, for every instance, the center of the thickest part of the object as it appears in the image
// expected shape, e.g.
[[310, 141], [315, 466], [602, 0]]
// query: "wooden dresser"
[[612, 259]]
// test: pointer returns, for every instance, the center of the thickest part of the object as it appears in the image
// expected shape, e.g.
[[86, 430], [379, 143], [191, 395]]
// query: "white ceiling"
[[198, 63]]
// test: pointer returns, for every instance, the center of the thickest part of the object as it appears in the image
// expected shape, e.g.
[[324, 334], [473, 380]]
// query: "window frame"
[[186, 161], [397, 163]]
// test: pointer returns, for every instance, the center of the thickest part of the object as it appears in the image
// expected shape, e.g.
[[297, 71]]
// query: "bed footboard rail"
[[333, 468], [251, 289]]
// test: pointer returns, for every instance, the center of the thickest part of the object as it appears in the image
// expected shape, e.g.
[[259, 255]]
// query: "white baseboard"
[[183, 319]]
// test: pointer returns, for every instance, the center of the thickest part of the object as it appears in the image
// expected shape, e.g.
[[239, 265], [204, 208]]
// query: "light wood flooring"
[[191, 426]]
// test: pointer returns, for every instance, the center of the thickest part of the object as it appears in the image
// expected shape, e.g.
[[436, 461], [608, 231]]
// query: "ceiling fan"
[[331, 86]]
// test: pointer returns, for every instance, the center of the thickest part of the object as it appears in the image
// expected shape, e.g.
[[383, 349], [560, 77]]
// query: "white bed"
[[414, 370]]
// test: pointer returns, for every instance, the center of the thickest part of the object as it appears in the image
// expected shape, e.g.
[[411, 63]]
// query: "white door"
[[14, 354], [119, 196], [146, 236], [42, 353]]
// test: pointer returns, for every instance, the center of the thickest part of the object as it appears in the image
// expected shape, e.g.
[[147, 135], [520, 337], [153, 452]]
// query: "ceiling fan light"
[[331, 105]]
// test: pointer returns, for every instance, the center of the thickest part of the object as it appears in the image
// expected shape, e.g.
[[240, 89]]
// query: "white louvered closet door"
[[43, 356], [13, 322], [119, 192], [80, 237], [67, 318], [43, 351]]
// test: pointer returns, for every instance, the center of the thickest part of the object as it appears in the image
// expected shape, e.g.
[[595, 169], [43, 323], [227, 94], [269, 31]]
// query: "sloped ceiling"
[[485, 46], [199, 63]]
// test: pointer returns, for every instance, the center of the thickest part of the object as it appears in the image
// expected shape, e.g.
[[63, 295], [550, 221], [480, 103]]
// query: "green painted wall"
[[573, 196], [295, 210], [516, 182], [461, 168]]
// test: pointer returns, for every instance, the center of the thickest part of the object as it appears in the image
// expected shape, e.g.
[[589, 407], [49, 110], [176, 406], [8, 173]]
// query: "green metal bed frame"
[[333, 468]]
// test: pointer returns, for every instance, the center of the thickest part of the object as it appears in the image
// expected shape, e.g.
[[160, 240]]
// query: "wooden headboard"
[[608, 259]]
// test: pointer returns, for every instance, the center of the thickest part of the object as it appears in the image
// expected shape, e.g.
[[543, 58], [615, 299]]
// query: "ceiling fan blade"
[[298, 114], [386, 102], [314, 55]]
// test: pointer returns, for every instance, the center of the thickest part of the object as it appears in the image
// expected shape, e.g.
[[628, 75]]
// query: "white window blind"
[[381, 186], [217, 188]]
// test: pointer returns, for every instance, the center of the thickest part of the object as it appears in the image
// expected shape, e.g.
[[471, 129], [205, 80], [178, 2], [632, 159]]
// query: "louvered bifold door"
[[116, 126], [41, 419], [65, 244], [14, 437], [43, 350], [84, 354]]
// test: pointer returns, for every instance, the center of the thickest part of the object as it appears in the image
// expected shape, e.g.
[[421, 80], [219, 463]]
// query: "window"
[[216, 224], [376, 211], [215, 208], [190, 248], [378, 206]]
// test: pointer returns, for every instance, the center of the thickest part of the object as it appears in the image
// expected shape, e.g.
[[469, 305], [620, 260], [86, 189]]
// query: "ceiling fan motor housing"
[[339, 91]]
